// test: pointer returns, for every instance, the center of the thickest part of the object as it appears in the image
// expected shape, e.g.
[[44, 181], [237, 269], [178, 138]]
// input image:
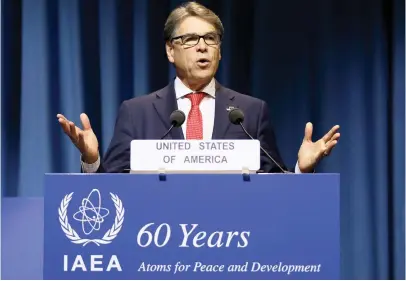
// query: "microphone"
[[236, 117], [177, 118]]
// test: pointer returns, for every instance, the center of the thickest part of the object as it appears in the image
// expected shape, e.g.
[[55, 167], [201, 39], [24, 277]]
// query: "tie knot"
[[196, 98]]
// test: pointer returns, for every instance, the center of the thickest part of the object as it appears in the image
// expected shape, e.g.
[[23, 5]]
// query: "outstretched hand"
[[311, 152], [84, 139]]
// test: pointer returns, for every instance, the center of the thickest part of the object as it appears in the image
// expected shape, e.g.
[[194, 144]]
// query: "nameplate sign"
[[195, 155]]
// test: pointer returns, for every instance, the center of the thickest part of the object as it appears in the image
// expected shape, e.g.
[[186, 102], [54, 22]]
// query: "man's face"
[[195, 63]]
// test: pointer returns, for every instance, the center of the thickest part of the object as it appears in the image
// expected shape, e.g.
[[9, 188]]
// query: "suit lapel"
[[164, 104], [224, 100]]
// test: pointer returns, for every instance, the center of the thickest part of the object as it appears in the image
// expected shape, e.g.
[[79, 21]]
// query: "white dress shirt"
[[207, 107]]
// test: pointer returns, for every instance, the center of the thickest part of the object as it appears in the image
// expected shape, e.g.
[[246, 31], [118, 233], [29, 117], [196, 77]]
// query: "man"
[[193, 39]]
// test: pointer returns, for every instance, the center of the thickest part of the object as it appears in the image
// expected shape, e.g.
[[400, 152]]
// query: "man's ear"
[[169, 52]]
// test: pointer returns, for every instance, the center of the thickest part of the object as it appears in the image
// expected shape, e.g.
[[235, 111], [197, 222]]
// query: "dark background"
[[325, 61]]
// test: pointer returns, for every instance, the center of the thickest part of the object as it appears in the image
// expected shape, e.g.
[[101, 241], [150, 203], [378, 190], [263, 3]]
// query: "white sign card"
[[194, 156]]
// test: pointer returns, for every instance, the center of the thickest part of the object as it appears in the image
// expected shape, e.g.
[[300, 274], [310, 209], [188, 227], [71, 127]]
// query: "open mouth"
[[203, 62]]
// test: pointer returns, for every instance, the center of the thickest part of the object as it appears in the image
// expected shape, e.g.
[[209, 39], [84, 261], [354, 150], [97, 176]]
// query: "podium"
[[175, 226]]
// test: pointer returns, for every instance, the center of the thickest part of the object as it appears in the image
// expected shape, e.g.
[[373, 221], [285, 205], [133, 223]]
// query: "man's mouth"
[[203, 62]]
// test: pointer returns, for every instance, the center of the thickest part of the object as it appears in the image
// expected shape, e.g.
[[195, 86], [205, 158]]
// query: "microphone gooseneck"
[[236, 117], [177, 118]]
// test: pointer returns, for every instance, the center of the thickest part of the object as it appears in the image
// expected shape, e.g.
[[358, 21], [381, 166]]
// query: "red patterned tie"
[[194, 127]]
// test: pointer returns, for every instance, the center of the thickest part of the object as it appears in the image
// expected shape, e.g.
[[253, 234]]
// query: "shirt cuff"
[[90, 168], [297, 170]]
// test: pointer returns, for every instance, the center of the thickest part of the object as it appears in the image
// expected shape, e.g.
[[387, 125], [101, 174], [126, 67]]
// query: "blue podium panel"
[[22, 238], [191, 227]]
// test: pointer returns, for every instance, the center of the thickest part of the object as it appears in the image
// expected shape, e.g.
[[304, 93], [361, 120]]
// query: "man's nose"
[[201, 45]]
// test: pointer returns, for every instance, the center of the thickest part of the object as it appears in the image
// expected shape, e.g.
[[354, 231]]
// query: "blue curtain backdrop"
[[325, 61]]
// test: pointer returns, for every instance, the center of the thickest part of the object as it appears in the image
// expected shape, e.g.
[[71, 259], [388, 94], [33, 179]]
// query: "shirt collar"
[[181, 90]]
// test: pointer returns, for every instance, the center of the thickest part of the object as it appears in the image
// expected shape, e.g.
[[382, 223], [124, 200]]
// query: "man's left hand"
[[311, 152]]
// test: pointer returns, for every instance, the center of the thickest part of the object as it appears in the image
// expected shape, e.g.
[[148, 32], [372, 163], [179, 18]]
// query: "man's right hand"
[[85, 140]]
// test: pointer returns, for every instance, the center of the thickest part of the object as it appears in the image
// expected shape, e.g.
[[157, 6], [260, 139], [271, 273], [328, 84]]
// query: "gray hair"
[[190, 9]]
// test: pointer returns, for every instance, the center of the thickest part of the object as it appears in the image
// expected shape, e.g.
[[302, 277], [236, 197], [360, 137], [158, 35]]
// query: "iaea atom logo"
[[92, 215]]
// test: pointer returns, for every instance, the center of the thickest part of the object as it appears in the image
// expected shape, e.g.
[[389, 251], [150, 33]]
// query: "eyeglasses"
[[192, 39]]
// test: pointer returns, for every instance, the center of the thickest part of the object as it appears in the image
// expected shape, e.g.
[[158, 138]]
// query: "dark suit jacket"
[[147, 117]]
